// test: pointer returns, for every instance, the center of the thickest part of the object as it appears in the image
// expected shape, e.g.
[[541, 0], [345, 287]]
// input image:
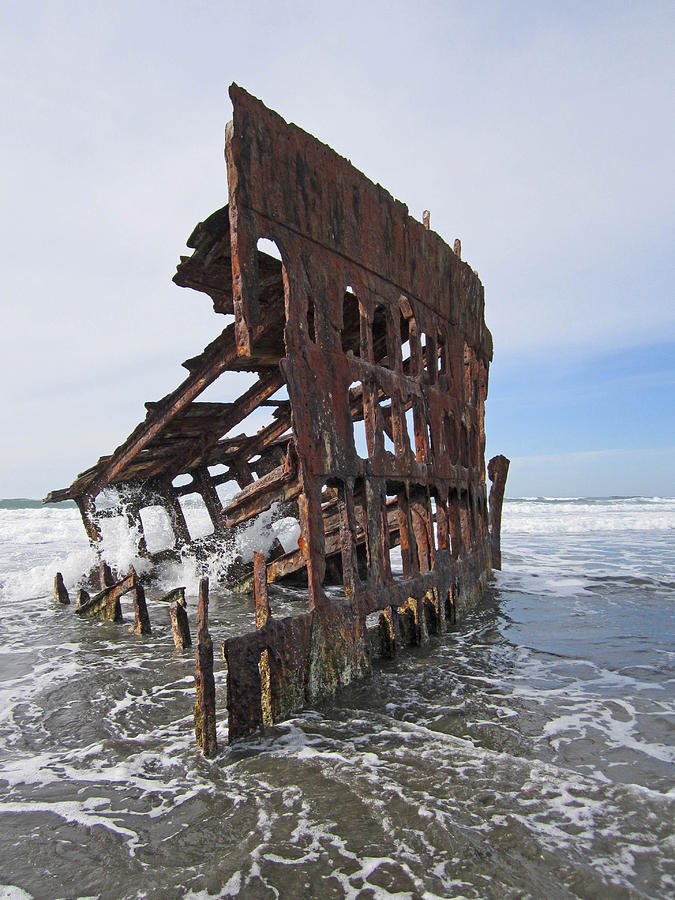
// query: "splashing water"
[[528, 753]]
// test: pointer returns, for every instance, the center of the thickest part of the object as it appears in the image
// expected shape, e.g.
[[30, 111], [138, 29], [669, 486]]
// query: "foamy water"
[[35, 543], [529, 753]]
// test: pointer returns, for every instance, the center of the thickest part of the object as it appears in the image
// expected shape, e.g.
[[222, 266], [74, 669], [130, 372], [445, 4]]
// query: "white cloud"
[[539, 137]]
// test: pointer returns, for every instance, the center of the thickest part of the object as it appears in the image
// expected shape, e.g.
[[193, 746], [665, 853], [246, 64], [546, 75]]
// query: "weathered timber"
[[180, 625], [373, 329], [205, 686], [60, 592]]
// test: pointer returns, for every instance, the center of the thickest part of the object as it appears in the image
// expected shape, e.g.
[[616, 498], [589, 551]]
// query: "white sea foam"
[[498, 735], [11, 892], [577, 516], [63, 546], [35, 543], [78, 813]]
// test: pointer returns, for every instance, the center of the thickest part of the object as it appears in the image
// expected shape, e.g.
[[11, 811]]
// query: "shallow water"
[[528, 754]]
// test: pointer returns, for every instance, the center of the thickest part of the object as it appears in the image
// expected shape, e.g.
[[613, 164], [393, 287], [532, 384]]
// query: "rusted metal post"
[[105, 575], [498, 469], [132, 512], [205, 686], [180, 626], [262, 603], [204, 485], [176, 516], [106, 604], [177, 595], [389, 632], [262, 615], [87, 508], [179, 619], [60, 592], [141, 618]]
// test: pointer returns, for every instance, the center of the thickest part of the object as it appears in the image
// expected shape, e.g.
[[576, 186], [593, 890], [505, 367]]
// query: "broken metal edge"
[[369, 319]]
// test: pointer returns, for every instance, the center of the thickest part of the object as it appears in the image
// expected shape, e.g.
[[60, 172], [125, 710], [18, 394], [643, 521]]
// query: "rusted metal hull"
[[369, 323]]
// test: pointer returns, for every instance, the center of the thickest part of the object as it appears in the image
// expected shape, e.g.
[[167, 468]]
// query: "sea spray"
[[54, 540]]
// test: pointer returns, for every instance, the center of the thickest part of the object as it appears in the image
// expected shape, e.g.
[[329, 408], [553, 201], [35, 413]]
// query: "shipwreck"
[[367, 340]]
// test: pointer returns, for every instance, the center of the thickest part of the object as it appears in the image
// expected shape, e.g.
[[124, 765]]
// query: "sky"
[[541, 134]]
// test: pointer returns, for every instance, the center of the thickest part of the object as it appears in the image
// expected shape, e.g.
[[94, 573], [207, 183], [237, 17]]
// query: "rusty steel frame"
[[368, 318]]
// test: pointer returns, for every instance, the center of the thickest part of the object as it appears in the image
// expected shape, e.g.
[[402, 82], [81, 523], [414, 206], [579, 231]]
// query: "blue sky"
[[590, 423], [539, 133]]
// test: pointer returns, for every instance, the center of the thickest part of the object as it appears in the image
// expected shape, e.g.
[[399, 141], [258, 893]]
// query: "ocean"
[[528, 754]]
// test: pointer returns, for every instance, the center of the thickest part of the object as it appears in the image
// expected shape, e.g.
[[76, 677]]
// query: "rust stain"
[[370, 323]]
